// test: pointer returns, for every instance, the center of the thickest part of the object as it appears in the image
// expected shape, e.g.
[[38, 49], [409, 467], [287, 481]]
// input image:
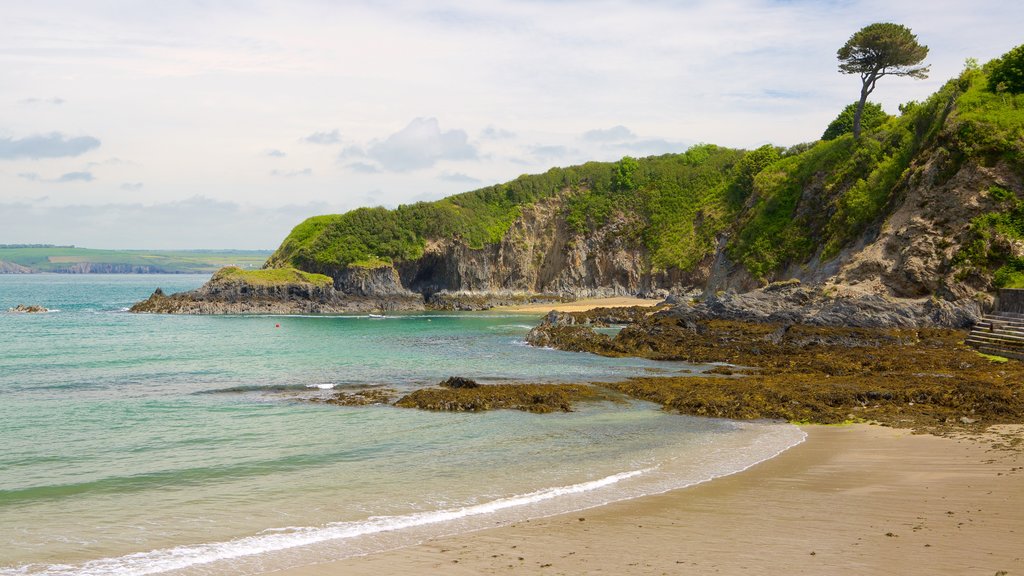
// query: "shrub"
[[1007, 73]]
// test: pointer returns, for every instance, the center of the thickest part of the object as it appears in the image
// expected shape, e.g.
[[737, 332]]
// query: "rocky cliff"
[[928, 205]]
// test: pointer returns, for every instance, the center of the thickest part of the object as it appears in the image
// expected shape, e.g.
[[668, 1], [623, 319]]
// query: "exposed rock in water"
[[367, 397], [920, 378], [537, 398], [28, 309], [459, 382], [229, 292]]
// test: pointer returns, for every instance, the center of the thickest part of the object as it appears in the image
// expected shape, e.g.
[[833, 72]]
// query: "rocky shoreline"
[[900, 373]]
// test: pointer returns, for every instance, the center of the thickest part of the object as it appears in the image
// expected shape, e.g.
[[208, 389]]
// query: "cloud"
[[492, 133], [131, 186], [421, 144], [62, 179], [275, 153], [292, 173], [550, 152], [325, 138], [458, 177], [75, 177], [52, 145], [613, 134], [364, 168], [53, 101]]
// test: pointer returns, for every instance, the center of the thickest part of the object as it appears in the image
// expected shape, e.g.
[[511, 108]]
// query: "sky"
[[224, 123]]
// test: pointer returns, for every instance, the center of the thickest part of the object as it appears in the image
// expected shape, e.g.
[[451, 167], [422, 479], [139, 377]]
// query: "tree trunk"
[[856, 115]]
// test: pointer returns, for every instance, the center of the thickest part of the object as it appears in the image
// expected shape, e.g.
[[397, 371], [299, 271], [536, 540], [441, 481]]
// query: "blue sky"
[[222, 124]]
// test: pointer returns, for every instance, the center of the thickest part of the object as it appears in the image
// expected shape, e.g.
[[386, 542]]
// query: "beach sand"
[[580, 305], [854, 499]]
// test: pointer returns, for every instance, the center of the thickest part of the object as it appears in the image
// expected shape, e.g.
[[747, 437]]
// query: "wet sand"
[[580, 305], [850, 500]]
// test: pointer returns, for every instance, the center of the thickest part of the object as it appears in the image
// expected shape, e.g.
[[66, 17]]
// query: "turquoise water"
[[142, 444]]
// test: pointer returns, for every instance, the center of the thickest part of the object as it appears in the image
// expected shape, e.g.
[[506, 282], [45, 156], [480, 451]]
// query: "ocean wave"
[[770, 440], [271, 540]]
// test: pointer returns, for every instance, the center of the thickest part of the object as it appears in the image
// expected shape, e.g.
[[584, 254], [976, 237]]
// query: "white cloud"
[[613, 134], [326, 138], [292, 173], [52, 145], [421, 144]]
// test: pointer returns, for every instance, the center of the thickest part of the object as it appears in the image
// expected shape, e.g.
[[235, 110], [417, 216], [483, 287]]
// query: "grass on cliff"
[[271, 277], [778, 206]]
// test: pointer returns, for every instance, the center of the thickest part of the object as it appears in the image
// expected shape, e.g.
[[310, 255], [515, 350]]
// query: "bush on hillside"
[[1007, 73]]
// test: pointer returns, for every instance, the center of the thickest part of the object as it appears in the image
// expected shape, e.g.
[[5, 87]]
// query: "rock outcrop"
[[28, 309], [235, 294]]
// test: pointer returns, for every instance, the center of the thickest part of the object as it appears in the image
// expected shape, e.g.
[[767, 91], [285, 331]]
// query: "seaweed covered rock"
[[536, 398], [459, 382], [28, 309]]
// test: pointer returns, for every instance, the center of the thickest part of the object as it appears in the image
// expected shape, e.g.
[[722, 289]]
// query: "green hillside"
[[69, 259], [778, 206]]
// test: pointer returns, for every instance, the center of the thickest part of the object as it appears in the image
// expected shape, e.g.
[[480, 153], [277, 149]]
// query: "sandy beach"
[[580, 305], [857, 499]]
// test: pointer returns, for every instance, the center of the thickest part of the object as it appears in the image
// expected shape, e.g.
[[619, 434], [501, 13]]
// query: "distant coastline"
[[52, 259]]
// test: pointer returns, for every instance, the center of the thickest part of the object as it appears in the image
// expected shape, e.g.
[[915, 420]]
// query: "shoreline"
[[849, 499]]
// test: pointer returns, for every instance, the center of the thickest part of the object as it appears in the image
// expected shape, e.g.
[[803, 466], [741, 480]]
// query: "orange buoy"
[[277, 325]]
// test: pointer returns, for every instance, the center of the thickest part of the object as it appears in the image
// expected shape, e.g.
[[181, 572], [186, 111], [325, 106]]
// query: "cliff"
[[930, 204]]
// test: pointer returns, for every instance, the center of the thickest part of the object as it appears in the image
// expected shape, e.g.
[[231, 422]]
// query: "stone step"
[[994, 344], [1005, 317], [987, 325], [1016, 355], [996, 335]]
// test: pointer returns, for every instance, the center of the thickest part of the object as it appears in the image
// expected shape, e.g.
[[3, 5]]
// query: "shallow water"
[[140, 444]]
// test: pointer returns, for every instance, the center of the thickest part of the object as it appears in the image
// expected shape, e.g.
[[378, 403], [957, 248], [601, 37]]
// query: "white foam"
[[320, 386], [157, 561], [770, 440]]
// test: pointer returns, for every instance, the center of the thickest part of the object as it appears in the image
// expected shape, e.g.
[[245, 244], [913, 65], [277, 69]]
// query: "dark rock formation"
[[459, 382], [234, 296], [791, 303], [28, 309]]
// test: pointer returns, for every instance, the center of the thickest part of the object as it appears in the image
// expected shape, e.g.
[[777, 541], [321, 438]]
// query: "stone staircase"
[[999, 333]]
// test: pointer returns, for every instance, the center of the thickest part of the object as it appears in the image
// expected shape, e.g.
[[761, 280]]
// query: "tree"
[[1007, 73], [871, 117], [881, 49]]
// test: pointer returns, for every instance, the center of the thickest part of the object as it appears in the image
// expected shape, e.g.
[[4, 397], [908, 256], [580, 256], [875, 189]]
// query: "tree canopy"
[[1008, 72], [877, 50]]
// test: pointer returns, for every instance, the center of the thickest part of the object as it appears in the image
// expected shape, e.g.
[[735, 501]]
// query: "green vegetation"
[[877, 50], [871, 117], [271, 277], [777, 207], [1007, 72], [70, 258]]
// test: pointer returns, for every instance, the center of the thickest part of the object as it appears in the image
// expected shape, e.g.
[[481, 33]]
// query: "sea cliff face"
[[929, 205]]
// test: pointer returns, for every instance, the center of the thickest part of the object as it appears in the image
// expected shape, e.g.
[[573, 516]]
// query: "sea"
[[136, 444]]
